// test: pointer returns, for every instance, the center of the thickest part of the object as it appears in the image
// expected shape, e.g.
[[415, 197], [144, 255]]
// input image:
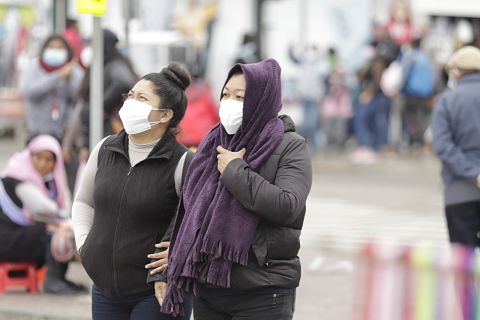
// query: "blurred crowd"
[[385, 105]]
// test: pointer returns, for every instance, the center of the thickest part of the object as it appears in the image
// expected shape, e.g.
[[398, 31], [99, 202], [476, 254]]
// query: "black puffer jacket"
[[277, 193]]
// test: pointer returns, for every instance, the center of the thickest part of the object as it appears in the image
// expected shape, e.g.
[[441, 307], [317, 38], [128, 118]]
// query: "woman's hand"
[[226, 156], [365, 98], [83, 155], [67, 154], [65, 71], [160, 291], [161, 258]]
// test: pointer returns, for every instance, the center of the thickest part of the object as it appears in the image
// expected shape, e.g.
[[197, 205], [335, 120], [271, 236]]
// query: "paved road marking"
[[341, 224]]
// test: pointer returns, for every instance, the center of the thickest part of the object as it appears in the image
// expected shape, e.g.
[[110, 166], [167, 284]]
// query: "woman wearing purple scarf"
[[236, 238]]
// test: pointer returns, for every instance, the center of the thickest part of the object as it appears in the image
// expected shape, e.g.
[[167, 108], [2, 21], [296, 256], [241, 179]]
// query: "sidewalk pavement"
[[326, 292], [22, 305]]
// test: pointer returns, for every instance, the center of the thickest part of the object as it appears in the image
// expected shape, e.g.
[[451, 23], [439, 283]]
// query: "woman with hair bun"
[[128, 197]]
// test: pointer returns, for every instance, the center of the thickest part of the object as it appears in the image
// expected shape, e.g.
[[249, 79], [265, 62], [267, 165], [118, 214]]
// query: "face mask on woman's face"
[[231, 115], [134, 115], [55, 57]]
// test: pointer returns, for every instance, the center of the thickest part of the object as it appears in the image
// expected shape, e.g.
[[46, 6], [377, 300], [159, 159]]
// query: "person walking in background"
[[247, 51], [372, 106], [417, 89], [399, 25], [336, 109], [196, 24], [128, 196], [50, 87], [333, 60], [119, 77], [236, 238], [311, 91], [371, 120], [74, 39], [456, 140], [34, 204], [202, 111]]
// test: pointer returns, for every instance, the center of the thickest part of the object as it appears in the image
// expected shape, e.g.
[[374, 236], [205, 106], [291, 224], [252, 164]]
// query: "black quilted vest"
[[133, 209]]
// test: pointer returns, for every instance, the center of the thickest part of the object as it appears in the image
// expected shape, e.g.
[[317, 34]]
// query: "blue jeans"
[[372, 122], [311, 122], [134, 307]]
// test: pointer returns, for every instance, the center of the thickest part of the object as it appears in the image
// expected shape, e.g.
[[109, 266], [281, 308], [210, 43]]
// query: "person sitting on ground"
[[34, 210]]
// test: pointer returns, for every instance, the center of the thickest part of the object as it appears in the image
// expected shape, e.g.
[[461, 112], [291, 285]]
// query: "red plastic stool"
[[29, 280]]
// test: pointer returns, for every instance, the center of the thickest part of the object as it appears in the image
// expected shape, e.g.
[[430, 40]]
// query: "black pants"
[[416, 118], [463, 222], [22, 243], [247, 306], [28, 243]]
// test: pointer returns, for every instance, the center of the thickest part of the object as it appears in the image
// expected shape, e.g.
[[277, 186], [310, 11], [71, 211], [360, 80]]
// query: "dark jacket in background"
[[456, 139], [277, 193], [119, 78]]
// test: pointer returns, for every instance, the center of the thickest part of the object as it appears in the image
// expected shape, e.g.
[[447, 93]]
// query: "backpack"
[[420, 77]]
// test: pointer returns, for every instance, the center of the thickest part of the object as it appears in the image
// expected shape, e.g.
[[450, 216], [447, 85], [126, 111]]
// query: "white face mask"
[[134, 115], [231, 115], [55, 57]]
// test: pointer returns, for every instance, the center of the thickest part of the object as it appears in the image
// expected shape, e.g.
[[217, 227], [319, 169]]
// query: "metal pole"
[[96, 84], [60, 11], [126, 17], [258, 14], [303, 22]]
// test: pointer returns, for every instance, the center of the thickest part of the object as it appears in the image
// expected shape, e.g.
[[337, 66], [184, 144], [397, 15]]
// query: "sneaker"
[[59, 286], [364, 155], [77, 286]]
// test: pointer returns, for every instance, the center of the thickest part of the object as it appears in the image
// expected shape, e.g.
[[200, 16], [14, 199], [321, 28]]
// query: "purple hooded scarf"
[[216, 229]]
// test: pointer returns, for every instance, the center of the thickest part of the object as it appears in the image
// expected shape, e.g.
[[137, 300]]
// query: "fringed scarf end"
[[220, 250], [173, 302]]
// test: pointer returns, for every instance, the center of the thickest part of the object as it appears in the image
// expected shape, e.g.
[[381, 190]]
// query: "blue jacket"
[[456, 139]]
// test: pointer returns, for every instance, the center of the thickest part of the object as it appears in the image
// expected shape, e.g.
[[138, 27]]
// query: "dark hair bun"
[[178, 74]]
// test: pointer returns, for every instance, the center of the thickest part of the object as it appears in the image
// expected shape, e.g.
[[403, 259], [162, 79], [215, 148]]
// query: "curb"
[[22, 315]]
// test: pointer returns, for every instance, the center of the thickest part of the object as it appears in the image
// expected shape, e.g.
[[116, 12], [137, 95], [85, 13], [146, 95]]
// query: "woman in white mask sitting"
[[128, 197]]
